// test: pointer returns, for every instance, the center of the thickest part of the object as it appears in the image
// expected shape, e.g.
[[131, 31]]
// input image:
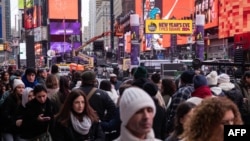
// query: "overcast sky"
[[85, 10]]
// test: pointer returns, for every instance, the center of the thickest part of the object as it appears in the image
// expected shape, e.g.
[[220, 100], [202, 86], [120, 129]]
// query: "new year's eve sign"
[[168, 26]]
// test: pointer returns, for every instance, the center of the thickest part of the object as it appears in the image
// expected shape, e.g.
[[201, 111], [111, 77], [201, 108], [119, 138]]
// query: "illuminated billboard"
[[32, 17], [210, 9], [28, 3], [69, 28], [63, 46], [63, 9], [1, 24], [21, 4], [180, 10], [168, 26], [234, 17], [151, 9]]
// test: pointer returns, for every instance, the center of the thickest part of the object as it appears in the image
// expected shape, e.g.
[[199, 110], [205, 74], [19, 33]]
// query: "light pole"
[[112, 25], [190, 37]]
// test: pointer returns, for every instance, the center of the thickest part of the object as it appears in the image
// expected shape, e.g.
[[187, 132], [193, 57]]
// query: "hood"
[[226, 86], [217, 91]]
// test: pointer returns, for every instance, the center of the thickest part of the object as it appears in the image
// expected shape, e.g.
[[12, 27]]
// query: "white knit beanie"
[[17, 82], [212, 78], [132, 100], [223, 78]]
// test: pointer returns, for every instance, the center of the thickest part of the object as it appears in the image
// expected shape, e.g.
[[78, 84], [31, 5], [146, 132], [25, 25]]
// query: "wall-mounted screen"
[[68, 28], [63, 46], [63, 9], [234, 17]]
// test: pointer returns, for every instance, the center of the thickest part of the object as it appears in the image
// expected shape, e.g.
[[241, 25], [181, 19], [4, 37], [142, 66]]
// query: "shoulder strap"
[[92, 91]]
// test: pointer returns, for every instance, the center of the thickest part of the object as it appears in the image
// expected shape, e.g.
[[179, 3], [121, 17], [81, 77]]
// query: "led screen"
[[1, 27], [210, 9], [63, 9], [179, 9], [234, 17], [32, 17], [63, 47], [59, 28], [152, 9], [21, 4]]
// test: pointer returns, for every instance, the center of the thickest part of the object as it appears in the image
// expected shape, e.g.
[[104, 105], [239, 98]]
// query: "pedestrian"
[[183, 113], [77, 121], [9, 112], [39, 114], [208, 119], [244, 86], [201, 88], [137, 111], [29, 78], [98, 99], [212, 81], [182, 94]]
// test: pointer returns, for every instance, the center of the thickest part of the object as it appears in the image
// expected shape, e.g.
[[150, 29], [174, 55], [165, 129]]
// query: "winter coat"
[[160, 118], [31, 127], [62, 133], [8, 114], [112, 127], [27, 83], [202, 92]]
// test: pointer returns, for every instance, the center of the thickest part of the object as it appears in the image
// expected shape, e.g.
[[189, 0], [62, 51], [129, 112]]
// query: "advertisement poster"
[[169, 26], [152, 9]]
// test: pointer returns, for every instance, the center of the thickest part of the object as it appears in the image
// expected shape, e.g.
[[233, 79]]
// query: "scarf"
[[81, 127], [127, 136], [52, 92]]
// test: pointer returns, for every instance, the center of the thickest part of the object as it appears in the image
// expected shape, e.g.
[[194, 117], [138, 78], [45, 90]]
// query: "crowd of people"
[[143, 106]]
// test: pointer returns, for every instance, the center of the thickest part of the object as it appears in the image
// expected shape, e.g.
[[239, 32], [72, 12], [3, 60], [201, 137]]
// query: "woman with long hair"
[[77, 121], [9, 111], [64, 88], [183, 113], [208, 119], [5, 79], [168, 88]]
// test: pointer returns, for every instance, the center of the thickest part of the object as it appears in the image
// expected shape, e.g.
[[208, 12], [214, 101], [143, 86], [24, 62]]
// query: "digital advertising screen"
[[32, 17], [63, 9], [63, 46], [178, 10], [150, 9], [234, 17], [210, 9], [1, 27], [153, 9], [68, 28]]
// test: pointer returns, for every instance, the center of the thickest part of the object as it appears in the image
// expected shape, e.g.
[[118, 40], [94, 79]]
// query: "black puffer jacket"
[[62, 133]]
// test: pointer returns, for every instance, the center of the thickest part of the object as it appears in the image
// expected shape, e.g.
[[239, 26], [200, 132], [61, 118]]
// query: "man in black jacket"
[[100, 100]]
